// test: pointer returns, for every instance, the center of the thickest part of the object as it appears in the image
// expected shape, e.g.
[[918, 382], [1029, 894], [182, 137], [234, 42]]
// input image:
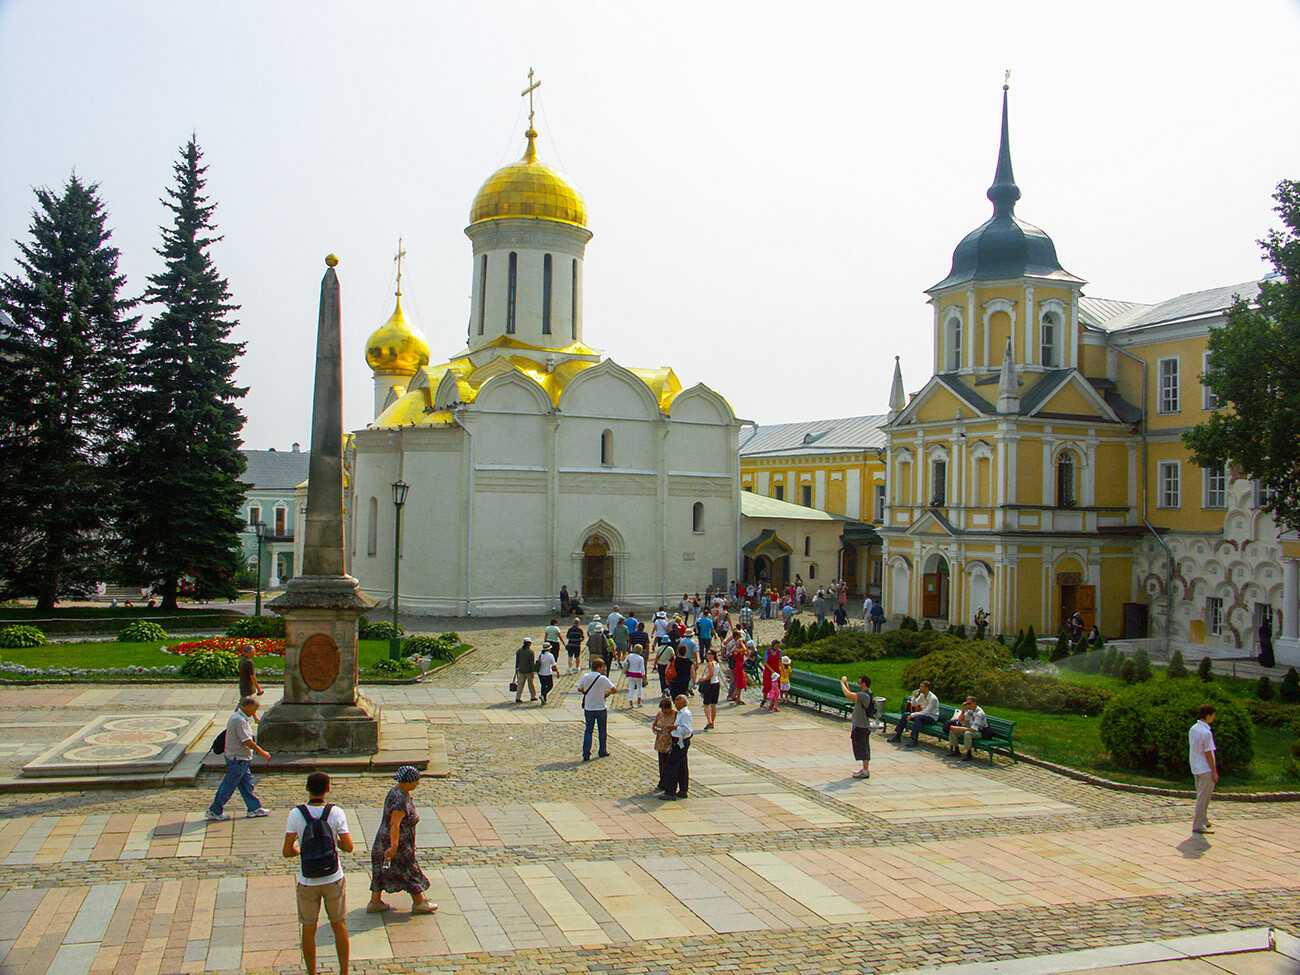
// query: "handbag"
[[514, 685]]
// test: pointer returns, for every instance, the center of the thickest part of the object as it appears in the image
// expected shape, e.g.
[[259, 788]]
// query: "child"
[[785, 679], [774, 697]]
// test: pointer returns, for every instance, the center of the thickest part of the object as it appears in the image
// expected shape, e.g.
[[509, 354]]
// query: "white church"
[[534, 461]]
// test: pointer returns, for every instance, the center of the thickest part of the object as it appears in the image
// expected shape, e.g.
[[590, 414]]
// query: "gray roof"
[[275, 470], [1196, 304], [757, 506], [845, 435], [1098, 312]]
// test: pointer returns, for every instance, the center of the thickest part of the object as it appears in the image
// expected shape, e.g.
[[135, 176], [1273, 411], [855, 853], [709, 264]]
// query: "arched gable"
[[617, 542], [511, 392], [700, 404], [608, 389]]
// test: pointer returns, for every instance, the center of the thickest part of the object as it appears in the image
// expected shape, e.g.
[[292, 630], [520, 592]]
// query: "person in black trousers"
[[679, 777]]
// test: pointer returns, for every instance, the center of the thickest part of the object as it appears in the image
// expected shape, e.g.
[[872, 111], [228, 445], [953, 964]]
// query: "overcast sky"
[[771, 186]]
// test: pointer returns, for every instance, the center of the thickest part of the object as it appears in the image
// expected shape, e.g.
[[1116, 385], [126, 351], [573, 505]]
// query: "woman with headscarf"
[[392, 857]]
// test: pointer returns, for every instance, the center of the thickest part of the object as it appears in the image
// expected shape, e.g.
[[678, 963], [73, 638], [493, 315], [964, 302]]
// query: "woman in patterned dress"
[[392, 857]]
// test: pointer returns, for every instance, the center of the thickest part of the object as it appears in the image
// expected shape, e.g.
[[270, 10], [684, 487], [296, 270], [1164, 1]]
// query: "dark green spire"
[[1004, 192]]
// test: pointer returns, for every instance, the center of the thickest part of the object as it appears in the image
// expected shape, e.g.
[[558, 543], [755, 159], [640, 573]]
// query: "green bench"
[[1001, 729], [820, 691]]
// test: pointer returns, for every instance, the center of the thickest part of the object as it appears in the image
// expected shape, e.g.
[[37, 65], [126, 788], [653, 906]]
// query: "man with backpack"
[[315, 833]]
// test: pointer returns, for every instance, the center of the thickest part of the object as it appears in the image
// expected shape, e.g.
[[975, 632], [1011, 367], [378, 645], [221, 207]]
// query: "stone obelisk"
[[322, 711]]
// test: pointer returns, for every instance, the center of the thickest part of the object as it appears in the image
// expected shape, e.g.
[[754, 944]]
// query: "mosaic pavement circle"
[[111, 753], [133, 743], [159, 723]]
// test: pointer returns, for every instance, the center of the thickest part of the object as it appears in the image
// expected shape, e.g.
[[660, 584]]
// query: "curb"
[[1153, 790]]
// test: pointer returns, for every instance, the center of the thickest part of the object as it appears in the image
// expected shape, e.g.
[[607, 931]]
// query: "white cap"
[[749, 643], [528, 639]]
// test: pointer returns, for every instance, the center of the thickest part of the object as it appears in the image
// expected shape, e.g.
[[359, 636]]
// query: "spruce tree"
[[181, 493], [66, 341]]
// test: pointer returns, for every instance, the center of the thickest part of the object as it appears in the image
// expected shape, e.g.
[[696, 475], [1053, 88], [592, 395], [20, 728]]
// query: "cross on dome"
[[532, 87], [398, 258]]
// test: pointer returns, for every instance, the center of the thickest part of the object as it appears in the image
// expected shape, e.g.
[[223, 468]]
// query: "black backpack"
[[320, 854], [219, 744]]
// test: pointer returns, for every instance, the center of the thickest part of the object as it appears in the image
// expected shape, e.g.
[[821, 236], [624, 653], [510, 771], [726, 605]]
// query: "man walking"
[[595, 688], [525, 664], [1200, 742], [315, 833], [573, 637], [239, 755], [248, 685]]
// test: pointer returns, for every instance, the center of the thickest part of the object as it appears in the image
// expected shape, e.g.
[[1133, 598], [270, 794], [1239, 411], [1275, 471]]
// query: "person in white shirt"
[[635, 668], [678, 770], [329, 888], [922, 709], [595, 687], [969, 723], [613, 619], [546, 667], [1200, 756]]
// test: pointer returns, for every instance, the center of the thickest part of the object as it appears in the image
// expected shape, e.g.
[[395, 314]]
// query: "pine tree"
[[181, 492], [1177, 667], [66, 345]]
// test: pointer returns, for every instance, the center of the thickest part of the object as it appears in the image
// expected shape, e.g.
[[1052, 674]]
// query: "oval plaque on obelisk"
[[319, 662]]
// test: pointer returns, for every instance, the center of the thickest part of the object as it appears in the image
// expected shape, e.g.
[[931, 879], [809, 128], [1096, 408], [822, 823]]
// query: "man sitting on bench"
[[921, 709], [969, 723]]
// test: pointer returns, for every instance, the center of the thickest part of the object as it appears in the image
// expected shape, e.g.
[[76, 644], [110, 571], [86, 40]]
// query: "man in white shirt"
[[1200, 756], [595, 687], [971, 722], [613, 620], [678, 771], [922, 709], [329, 888], [239, 755]]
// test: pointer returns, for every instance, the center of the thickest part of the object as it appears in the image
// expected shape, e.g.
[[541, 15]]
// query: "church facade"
[[1040, 471], [534, 461]]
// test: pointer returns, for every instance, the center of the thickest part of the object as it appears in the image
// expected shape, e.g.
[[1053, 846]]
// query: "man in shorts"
[[330, 888]]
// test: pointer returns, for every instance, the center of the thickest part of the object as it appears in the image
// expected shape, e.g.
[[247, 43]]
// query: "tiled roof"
[[756, 506], [849, 434], [275, 470]]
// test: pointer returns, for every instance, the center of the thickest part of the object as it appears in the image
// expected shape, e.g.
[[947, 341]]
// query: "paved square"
[[779, 861]]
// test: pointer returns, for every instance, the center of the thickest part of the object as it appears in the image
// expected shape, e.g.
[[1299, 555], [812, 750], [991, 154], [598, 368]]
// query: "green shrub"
[[18, 637], [845, 647], [907, 643], [141, 631], [1042, 692], [1028, 649], [927, 625], [1289, 690], [1295, 748], [1127, 671], [1060, 649], [1142, 666], [909, 624], [1205, 670], [1264, 688], [959, 631], [1291, 770], [1081, 644], [437, 647], [955, 667], [257, 626], [795, 635], [1145, 727], [211, 665], [1099, 642], [1270, 714], [1177, 668], [378, 630], [386, 667]]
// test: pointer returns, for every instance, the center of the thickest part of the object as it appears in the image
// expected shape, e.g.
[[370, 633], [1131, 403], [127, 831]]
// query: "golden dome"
[[528, 189], [397, 347]]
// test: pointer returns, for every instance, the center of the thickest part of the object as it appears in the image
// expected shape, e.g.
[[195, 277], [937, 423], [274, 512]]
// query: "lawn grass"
[[1075, 740]]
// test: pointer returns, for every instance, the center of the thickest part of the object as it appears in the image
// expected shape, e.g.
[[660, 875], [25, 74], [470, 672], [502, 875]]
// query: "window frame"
[[512, 292], [1214, 615], [939, 499], [1175, 393], [1048, 330], [779, 491], [806, 495], [1066, 459], [607, 447], [1207, 502], [953, 327], [1263, 494], [546, 294], [697, 518], [372, 529], [1209, 398], [1177, 483], [482, 294], [254, 515], [879, 499]]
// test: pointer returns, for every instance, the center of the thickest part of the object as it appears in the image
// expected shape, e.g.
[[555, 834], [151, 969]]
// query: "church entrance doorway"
[[934, 588], [597, 570], [1077, 598]]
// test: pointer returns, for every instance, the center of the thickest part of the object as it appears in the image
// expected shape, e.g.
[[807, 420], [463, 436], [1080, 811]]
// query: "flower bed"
[[262, 647]]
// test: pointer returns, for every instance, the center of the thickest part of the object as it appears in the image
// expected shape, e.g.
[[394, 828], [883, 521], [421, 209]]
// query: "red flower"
[[262, 646]]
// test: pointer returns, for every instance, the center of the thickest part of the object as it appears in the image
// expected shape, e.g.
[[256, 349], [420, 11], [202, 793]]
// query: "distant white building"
[[271, 478]]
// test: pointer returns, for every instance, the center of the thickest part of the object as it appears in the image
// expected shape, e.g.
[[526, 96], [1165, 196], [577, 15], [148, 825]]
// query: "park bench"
[[1001, 728], [819, 690]]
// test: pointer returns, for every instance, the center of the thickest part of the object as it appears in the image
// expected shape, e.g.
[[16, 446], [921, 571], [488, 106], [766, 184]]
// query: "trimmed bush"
[[909, 624], [926, 626], [1028, 649], [211, 665], [1289, 690], [1142, 666], [795, 635], [257, 626], [1042, 692], [907, 643], [1127, 672], [1145, 727], [1061, 649], [845, 647], [1264, 689], [1205, 670], [437, 647], [385, 667], [955, 667], [1177, 668], [18, 637], [378, 630], [959, 631], [141, 631]]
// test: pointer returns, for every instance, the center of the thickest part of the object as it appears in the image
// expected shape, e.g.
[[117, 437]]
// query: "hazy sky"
[[771, 186]]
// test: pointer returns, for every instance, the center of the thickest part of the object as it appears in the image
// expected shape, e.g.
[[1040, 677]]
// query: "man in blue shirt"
[[704, 628]]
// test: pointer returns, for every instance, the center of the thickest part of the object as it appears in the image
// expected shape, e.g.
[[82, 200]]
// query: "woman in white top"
[[710, 684]]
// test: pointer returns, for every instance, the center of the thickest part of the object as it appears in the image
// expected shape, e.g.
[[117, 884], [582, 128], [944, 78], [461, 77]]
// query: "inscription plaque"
[[319, 662]]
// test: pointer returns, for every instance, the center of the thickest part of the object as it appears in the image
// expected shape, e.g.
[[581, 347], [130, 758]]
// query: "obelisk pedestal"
[[322, 710]]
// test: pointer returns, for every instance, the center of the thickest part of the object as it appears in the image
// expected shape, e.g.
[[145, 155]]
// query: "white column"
[[1291, 598]]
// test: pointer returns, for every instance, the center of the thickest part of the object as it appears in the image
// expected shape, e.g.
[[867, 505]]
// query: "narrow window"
[[1211, 400], [512, 288], [1065, 481], [607, 448], [1169, 385], [697, 517], [807, 545], [780, 492], [372, 528], [1170, 486], [254, 515], [482, 293], [1049, 340], [812, 570], [281, 516], [573, 302], [1214, 610], [880, 503], [805, 492], [1216, 488], [940, 481], [954, 344], [546, 295]]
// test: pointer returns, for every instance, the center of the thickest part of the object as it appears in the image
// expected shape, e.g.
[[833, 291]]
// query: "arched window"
[[372, 528], [482, 293], [807, 545], [573, 301], [697, 517], [1065, 480], [607, 447], [939, 483], [812, 570], [512, 290], [546, 295], [1049, 333], [954, 343]]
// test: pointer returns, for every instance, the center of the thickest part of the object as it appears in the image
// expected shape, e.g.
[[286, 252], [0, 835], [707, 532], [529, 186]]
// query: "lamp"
[[259, 527], [400, 489]]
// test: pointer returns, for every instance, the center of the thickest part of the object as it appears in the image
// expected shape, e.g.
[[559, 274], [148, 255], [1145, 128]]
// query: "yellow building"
[[836, 468], [1040, 471]]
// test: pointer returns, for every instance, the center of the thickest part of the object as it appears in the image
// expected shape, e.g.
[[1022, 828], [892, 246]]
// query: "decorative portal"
[[597, 569]]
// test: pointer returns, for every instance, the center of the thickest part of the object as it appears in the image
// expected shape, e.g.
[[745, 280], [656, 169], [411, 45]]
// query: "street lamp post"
[[260, 528], [399, 500]]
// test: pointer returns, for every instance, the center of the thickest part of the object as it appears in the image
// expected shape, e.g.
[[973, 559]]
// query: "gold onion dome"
[[397, 347], [528, 189]]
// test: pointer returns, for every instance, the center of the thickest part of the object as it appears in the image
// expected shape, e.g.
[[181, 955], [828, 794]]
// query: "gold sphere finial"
[[332, 260]]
